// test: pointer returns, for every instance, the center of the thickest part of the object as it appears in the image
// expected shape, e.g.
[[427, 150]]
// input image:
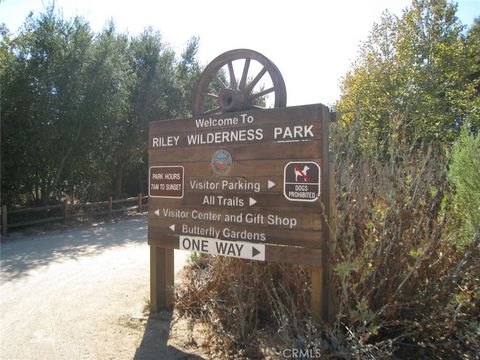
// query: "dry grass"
[[403, 287]]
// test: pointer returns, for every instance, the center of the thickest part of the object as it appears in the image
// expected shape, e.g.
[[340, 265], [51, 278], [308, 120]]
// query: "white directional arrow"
[[157, 212], [251, 201], [172, 227], [270, 184]]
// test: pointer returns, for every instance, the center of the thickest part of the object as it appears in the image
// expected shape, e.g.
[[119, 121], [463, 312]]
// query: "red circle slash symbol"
[[301, 172]]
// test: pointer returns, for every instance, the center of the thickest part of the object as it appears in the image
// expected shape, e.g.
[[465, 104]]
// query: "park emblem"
[[221, 161]]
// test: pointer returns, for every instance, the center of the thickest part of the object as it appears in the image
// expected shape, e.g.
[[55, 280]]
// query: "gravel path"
[[80, 293]]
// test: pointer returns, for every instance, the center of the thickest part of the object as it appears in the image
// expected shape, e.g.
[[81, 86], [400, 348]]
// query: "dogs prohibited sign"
[[301, 181]]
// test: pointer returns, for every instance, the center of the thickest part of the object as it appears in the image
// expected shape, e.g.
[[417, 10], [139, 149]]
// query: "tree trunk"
[[44, 193], [52, 185], [36, 195]]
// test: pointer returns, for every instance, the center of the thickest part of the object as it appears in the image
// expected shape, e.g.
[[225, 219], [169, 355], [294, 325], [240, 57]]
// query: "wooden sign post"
[[250, 184]]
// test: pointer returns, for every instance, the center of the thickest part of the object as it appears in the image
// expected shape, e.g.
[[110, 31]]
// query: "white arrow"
[[270, 184], [172, 227], [251, 201], [157, 212]]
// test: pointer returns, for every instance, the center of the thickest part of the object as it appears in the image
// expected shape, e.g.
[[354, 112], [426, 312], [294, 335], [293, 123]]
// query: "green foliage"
[[44, 112], [412, 80], [472, 89], [464, 172], [75, 107]]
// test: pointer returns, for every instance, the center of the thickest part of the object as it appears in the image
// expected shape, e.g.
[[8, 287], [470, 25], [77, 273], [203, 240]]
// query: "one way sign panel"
[[211, 246], [301, 181]]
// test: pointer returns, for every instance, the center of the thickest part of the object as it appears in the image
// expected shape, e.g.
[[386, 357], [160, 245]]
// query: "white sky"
[[312, 42]]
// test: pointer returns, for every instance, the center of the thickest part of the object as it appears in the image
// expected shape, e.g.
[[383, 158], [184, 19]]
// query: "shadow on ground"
[[23, 253], [154, 345]]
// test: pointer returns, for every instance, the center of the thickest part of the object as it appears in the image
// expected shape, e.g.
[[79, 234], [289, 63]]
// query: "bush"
[[464, 173], [401, 288]]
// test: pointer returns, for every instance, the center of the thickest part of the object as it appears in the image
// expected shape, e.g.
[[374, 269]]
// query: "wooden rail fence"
[[65, 211]]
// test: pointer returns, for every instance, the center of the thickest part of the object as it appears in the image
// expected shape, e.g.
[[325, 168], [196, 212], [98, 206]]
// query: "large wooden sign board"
[[252, 184]]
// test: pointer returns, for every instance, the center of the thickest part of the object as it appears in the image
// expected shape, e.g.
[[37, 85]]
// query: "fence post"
[[65, 210], [4, 220], [110, 206], [140, 197]]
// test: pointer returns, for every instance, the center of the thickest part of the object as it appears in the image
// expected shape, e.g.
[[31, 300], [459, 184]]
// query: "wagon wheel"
[[215, 95]]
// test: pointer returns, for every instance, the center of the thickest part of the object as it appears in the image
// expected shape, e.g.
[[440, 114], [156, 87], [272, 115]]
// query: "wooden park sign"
[[252, 184]]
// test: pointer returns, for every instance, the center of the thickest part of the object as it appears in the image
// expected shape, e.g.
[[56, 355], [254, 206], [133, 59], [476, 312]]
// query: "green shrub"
[[464, 173]]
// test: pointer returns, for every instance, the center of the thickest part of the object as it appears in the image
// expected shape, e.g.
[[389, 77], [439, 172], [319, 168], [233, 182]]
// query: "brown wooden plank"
[[239, 152], [87, 214], [234, 184], [275, 134], [293, 255], [261, 219], [123, 209], [118, 201], [264, 201], [36, 222], [289, 115], [90, 205], [274, 253], [35, 209], [305, 238], [245, 168]]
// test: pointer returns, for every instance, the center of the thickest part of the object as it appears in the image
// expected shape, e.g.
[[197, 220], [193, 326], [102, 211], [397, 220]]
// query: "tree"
[[464, 172], [471, 91], [187, 73], [75, 107], [43, 104], [411, 80], [109, 77]]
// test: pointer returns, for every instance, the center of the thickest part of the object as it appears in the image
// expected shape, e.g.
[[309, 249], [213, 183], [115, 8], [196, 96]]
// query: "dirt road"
[[80, 294]]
